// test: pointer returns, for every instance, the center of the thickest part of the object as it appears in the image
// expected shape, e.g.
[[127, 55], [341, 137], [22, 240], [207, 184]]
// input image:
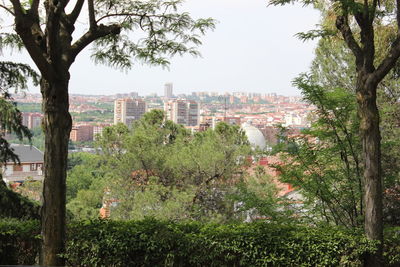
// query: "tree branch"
[[398, 14], [32, 37], [375, 3], [55, 10], [25, 29], [367, 39], [91, 36], [73, 16], [130, 14], [92, 16], [35, 8], [52, 28], [388, 63], [7, 9], [342, 24], [18, 11]]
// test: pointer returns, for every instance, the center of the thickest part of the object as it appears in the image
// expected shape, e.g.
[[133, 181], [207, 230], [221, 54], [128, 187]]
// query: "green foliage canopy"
[[159, 169]]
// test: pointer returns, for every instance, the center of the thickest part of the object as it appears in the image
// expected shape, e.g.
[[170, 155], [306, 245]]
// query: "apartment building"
[[128, 110], [81, 133], [32, 120], [98, 129], [184, 112], [168, 90]]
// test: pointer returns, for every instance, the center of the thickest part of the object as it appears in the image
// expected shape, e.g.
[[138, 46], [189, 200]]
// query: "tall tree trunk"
[[371, 142], [57, 126]]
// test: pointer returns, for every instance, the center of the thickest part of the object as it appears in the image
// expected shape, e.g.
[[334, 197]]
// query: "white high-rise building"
[[128, 110], [185, 112], [168, 90]]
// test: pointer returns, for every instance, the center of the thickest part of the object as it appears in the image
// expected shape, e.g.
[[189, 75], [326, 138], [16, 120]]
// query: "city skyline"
[[136, 95], [246, 52]]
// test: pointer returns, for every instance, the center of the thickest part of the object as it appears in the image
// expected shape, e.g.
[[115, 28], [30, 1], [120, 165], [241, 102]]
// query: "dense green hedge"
[[19, 242], [154, 243], [14, 205]]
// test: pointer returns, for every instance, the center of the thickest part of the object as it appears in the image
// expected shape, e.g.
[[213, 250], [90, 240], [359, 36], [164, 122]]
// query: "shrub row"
[[19, 242], [156, 243]]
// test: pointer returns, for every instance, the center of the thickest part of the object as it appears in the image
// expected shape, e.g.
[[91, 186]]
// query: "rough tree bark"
[[57, 126], [368, 79], [53, 54], [371, 143]]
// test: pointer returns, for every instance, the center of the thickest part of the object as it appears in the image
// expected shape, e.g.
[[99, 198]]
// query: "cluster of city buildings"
[[257, 115], [80, 132], [264, 111], [181, 111], [197, 111]]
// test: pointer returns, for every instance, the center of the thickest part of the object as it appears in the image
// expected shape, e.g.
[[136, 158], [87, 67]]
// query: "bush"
[[157, 243], [14, 205], [391, 251], [19, 242]]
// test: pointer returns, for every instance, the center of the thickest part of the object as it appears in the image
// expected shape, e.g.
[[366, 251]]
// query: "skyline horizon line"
[[292, 94]]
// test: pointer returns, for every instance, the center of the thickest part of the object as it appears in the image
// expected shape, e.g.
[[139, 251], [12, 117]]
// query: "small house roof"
[[27, 153]]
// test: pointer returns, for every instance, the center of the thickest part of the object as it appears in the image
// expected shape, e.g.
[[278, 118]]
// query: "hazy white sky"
[[252, 49]]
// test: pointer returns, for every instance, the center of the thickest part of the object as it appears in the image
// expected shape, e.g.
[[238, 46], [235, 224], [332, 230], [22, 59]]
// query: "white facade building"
[[184, 112], [168, 90], [128, 110]]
